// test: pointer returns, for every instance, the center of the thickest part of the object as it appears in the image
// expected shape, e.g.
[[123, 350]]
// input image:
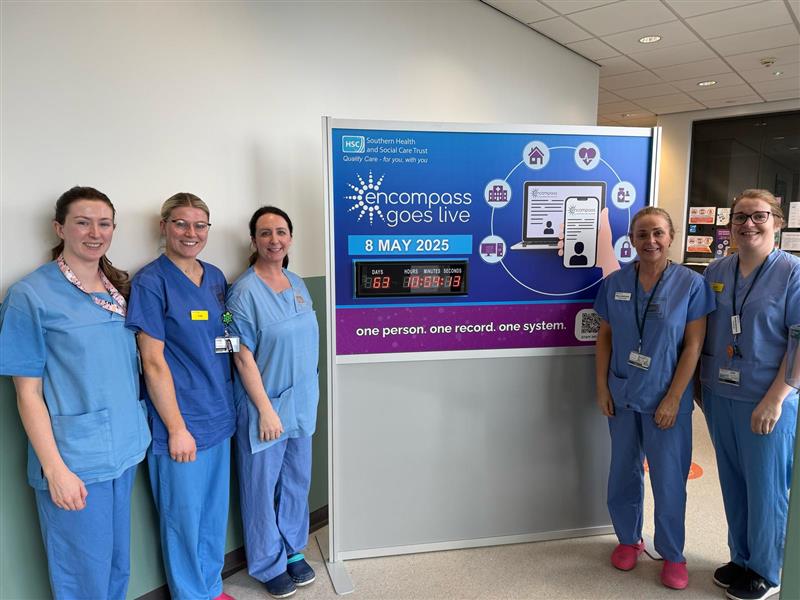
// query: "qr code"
[[587, 324]]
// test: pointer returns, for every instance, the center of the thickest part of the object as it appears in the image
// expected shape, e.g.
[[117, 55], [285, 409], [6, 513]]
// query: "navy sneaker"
[[281, 586], [729, 574], [299, 570], [751, 586]]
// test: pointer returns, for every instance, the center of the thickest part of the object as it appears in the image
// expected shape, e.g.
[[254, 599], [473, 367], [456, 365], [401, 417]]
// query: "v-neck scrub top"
[[771, 308], [280, 329], [86, 359], [681, 297], [167, 305]]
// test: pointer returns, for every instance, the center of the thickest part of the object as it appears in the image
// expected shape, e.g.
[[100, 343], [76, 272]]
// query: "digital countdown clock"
[[410, 278]]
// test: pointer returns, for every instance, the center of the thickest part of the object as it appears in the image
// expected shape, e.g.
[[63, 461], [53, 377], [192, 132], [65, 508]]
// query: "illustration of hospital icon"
[[498, 194], [625, 250]]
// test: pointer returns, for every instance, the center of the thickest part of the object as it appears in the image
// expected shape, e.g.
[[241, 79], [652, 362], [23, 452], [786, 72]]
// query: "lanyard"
[[640, 323], [734, 348], [120, 305]]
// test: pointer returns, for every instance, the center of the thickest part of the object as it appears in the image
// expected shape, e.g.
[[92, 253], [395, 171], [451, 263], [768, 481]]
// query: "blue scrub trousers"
[[88, 551], [274, 486], [192, 502], [635, 435], [755, 475]]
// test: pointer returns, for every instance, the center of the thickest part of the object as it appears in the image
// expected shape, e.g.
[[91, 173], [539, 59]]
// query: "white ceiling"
[[719, 40]]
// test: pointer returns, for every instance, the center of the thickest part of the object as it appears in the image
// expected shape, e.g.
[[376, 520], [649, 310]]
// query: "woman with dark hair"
[[276, 394], [177, 309], [653, 321], [64, 342], [750, 410]]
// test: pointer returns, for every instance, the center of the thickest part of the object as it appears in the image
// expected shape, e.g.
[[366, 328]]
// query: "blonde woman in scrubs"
[[64, 342]]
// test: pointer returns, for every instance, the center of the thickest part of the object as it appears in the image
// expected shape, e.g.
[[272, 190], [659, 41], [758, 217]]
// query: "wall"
[[676, 140], [143, 99]]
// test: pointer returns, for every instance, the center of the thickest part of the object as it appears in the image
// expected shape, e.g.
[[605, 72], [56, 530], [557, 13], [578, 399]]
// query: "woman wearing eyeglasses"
[[177, 308], [750, 411]]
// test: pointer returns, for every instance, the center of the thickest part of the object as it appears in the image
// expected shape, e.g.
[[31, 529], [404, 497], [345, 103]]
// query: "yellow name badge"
[[717, 286], [199, 315]]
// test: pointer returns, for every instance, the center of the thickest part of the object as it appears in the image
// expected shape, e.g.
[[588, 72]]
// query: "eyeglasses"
[[759, 217], [183, 226]]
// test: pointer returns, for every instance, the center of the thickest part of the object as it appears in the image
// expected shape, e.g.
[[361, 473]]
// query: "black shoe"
[[751, 586], [728, 574]]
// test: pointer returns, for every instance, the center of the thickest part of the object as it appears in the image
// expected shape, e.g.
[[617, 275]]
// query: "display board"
[[462, 263], [478, 240]]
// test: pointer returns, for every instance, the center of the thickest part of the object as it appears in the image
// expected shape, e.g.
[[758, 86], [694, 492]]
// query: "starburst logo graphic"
[[359, 204]]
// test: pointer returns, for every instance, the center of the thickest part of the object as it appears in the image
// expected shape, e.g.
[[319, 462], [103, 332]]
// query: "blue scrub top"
[[166, 305], [772, 307], [281, 331], [682, 297], [87, 362]]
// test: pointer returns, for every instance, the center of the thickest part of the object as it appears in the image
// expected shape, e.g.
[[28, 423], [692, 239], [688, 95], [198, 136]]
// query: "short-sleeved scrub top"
[[167, 305], [681, 297], [86, 359], [771, 308], [281, 330]]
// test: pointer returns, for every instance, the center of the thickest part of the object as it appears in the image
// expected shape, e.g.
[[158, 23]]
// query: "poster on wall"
[[458, 237]]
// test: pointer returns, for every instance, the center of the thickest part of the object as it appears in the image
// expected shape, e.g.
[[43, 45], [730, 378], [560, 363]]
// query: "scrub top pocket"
[[84, 441]]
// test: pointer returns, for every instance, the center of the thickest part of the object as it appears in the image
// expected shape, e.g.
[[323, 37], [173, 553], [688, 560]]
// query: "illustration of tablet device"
[[543, 210], [581, 218]]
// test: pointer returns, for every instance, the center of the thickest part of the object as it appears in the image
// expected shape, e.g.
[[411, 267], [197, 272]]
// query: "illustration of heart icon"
[[587, 154]]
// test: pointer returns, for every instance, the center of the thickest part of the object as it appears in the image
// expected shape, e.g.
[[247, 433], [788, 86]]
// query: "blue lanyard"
[[640, 323], [734, 348]]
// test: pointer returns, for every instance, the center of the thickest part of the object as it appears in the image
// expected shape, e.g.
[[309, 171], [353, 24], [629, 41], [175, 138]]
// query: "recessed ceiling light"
[[794, 147], [649, 39], [707, 83], [626, 115], [777, 73], [779, 137]]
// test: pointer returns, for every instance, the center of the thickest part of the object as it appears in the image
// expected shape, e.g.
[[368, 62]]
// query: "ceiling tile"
[[566, 7], [613, 109], [778, 84], [738, 101], [604, 97], [723, 80], [768, 74], [622, 16], [728, 92], [784, 95], [795, 6], [526, 12], [674, 33], [636, 121], [738, 20], [560, 30], [617, 65], [657, 103], [701, 68], [593, 49], [604, 121], [647, 91], [690, 8], [618, 82], [678, 108], [675, 55], [751, 60], [785, 35]]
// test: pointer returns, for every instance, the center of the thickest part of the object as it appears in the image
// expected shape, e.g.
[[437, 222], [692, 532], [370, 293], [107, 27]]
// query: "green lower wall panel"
[[23, 567]]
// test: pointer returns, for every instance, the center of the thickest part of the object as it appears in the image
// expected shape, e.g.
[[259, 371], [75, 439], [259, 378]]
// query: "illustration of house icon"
[[535, 156]]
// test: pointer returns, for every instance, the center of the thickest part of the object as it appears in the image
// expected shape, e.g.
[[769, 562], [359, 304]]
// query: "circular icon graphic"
[[587, 156], [624, 250], [492, 249], [536, 155], [497, 193], [623, 195]]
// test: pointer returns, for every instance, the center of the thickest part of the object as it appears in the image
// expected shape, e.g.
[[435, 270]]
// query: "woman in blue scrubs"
[[177, 308], [651, 334], [64, 342], [277, 391], [751, 412]]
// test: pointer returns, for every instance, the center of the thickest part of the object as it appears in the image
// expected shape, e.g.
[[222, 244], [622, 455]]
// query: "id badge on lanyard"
[[227, 343]]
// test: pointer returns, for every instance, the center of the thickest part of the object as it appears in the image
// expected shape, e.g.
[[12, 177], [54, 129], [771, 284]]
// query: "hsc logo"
[[353, 143]]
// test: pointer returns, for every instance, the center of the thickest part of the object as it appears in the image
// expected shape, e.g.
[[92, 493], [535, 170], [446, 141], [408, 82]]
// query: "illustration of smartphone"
[[581, 215]]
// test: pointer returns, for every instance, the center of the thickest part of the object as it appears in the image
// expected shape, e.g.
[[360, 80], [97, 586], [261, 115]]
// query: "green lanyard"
[[640, 323]]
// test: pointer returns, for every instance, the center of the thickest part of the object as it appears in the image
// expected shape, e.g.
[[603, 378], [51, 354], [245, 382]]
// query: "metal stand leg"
[[340, 578]]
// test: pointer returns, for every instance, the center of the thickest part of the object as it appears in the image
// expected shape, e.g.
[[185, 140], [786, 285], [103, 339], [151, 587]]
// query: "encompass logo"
[[575, 210], [412, 207]]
